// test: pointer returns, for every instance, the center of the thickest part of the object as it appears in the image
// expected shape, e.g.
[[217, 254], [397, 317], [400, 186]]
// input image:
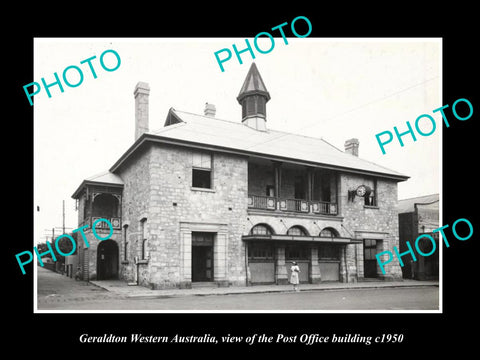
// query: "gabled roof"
[[105, 178], [200, 131], [408, 205]]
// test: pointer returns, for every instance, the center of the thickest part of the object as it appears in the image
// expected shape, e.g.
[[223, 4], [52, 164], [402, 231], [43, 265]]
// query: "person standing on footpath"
[[294, 280]]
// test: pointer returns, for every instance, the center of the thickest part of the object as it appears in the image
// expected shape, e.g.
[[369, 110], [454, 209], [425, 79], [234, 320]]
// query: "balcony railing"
[[115, 221], [262, 202], [324, 207], [293, 205]]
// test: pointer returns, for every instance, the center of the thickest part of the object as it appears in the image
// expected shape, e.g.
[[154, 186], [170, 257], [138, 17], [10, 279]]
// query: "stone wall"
[[158, 190], [89, 252], [378, 222], [135, 207], [157, 186]]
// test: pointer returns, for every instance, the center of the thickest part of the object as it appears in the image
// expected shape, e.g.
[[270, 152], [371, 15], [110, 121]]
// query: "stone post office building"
[[235, 202]]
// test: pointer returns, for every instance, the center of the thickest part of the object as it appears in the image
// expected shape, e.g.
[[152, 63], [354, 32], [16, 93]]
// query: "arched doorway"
[[107, 260], [329, 254]]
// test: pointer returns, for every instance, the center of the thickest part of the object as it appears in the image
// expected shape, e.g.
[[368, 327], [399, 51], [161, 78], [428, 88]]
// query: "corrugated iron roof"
[[105, 177], [206, 130], [408, 205]]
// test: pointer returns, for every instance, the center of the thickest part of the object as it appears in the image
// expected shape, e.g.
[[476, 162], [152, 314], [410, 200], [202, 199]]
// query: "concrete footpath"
[[122, 289]]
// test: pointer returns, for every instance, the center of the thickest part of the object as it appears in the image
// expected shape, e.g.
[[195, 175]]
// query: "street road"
[[357, 299], [56, 292]]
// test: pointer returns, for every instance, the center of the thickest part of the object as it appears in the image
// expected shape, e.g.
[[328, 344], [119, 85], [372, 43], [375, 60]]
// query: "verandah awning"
[[296, 238]]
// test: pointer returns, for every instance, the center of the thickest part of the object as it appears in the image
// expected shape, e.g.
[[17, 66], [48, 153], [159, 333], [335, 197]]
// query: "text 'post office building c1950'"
[[234, 203]]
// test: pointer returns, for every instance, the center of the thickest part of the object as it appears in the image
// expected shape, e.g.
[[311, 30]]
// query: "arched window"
[[329, 232], [261, 229], [297, 231]]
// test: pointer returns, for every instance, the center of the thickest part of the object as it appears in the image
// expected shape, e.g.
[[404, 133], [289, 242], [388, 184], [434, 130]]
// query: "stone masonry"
[[378, 222], [163, 218], [157, 187]]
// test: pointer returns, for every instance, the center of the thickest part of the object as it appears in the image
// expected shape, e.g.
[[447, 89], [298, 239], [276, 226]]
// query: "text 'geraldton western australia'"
[[140, 338], [305, 339]]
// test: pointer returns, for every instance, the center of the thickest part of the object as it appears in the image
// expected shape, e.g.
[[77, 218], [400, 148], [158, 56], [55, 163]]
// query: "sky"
[[332, 88]]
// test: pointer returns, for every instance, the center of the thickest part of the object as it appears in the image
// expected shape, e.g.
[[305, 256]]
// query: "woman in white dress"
[[295, 269]]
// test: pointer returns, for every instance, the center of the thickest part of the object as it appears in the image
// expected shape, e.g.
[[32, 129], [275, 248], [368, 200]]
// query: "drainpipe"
[[246, 263], [345, 253], [356, 261], [346, 263], [135, 261]]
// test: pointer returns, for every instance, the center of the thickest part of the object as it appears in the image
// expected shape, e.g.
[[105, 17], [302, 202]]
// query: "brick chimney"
[[141, 93], [351, 146], [210, 110]]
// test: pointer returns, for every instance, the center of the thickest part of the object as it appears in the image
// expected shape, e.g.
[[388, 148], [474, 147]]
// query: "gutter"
[[166, 140]]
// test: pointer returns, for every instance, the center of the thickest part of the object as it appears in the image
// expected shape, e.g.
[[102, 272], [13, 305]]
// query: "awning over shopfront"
[[296, 238]]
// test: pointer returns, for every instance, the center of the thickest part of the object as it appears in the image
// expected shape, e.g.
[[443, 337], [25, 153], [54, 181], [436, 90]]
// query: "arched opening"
[[261, 255], [298, 252], [105, 205], [329, 232], [261, 229], [329, 255], [107, 260], [297, 230]]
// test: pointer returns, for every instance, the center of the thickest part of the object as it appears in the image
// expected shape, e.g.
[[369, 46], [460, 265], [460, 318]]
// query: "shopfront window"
[[328, 252], [297, 252], [261, 251]]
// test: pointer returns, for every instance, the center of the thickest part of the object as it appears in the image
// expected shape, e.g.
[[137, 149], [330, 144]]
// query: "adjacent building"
[[235, 202], [417, 216]]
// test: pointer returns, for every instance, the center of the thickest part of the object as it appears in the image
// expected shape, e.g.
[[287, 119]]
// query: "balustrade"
[[292, 205], [115, 221]]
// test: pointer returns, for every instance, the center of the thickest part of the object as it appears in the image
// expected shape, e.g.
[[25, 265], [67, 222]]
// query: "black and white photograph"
[[262, 181], [223, 181]]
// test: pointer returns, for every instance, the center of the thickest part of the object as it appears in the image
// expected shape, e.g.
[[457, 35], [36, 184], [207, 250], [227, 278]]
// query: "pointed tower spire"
[[253, 97]]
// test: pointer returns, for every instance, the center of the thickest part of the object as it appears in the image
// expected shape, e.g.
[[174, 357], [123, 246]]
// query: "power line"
[[283, 133], [349, 111]]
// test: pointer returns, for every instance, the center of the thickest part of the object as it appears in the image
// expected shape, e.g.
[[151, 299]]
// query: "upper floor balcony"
[[100, 203], [291, 188], [292, 205]]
